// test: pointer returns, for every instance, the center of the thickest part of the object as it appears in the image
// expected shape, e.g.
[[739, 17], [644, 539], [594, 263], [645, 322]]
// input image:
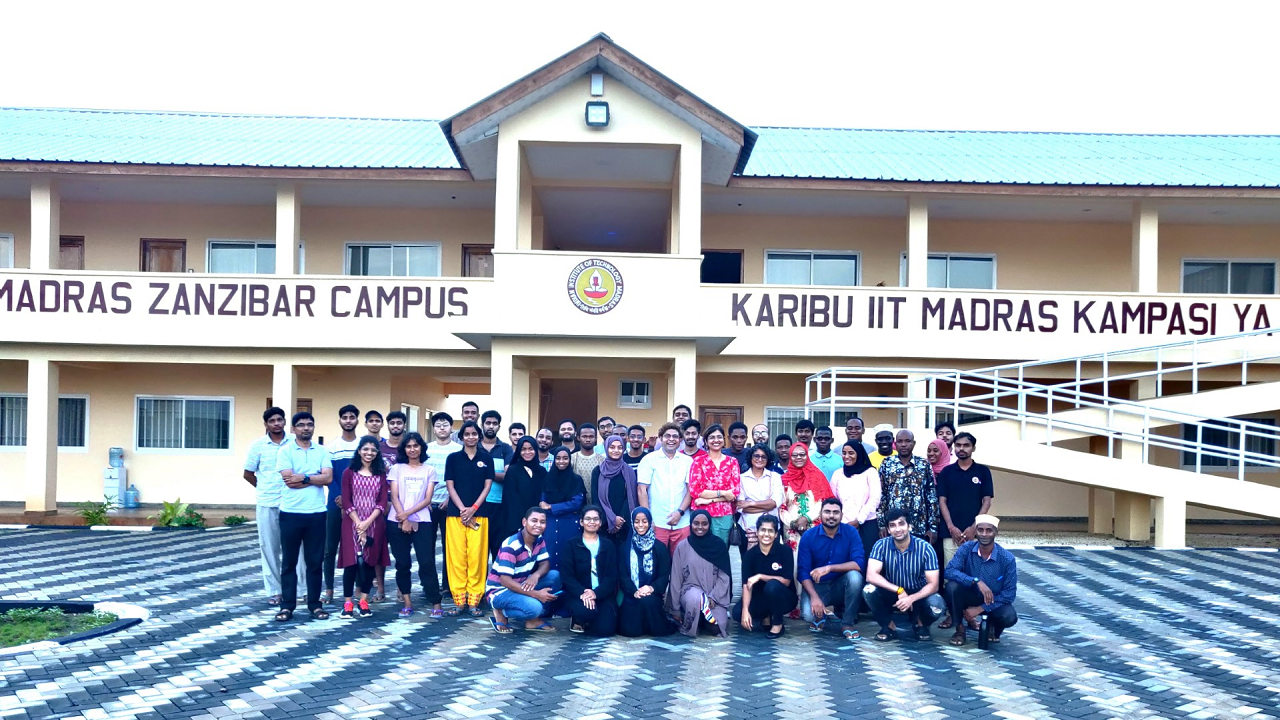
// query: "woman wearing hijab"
[[701, 581], [613, 485], [938, 456], [563, 495], [523, 486], [805, 487], [644, 571], [857, 484]]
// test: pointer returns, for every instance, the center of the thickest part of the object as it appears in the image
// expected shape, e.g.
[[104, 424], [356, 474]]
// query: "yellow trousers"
[[466, 553]]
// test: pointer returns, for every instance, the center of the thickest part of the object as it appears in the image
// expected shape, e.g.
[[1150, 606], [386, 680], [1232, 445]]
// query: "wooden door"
[[163, 256], [719, 414], [71, 252], [477, 261]]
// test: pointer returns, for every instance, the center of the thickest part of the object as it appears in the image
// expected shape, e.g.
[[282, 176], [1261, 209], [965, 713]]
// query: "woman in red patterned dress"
[[363, 543]]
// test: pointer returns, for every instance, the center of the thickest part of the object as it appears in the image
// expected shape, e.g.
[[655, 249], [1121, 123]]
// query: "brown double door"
[[720, 414]]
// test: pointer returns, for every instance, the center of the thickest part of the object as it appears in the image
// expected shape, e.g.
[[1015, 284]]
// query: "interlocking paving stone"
[[1103, 634]]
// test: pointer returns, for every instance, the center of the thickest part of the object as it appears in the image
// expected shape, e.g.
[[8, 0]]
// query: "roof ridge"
[[1017, 132], [197, 113]]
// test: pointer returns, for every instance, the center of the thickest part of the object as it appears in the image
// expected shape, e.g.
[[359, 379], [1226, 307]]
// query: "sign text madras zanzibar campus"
[[237, 299], [1080, 315]]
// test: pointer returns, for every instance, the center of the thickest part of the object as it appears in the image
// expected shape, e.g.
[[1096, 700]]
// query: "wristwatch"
[[306, 479], [976, 581]]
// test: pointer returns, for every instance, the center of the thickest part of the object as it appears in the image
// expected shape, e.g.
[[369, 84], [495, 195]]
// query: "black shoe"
[[922, 633]]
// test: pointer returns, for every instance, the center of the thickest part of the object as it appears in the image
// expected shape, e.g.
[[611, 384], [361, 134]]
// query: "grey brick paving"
[[1104, 634]]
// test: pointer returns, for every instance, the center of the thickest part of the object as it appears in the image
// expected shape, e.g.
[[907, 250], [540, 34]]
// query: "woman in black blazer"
[[589, 576]]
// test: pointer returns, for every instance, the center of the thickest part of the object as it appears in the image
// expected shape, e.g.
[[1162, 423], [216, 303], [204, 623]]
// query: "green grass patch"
[[19, 627]]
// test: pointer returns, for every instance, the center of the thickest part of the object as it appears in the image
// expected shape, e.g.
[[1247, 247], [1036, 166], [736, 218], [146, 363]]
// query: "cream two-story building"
[[593, 239]]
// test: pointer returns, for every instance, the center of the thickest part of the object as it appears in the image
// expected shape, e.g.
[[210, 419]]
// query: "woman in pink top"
[[363, 543], [857, 484], [715, 482]]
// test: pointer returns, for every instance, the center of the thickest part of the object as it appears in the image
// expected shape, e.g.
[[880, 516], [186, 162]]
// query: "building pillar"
[[686, 209], [501, 387], [1101, 501], [917, 242], [45, 224], [284, 389], [682, 383], [1133, 511], [507, 200], [288, 229], [1171, 523], [1145, 261], [520, 407], [42, 437]]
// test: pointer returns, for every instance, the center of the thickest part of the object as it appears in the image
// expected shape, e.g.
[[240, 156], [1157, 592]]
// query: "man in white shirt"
[[340, 453], [260, 472], [663, 477], [305, 468], [438, 451]]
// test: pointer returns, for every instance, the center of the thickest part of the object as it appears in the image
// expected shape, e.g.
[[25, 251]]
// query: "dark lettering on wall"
[[457, 302], [155, 308]]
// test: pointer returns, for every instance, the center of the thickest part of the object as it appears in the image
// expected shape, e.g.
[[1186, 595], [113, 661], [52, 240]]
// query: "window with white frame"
[[411, 413], [782, 420], [1256, 441], [183, 423], [73, 421], [394, 260], [6, 250], [1234, 277], [804, 267], [242, 257], [635, 394], [976, 272]]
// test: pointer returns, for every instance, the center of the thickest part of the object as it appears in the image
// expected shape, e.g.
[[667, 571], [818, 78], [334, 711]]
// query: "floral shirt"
[[706, 475], [909, 486]]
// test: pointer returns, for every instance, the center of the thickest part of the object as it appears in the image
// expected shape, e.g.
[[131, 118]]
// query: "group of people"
[[631, 536]]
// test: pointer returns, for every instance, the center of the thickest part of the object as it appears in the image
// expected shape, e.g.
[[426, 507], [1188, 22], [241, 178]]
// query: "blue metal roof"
[[167, 138], [1017, 157]]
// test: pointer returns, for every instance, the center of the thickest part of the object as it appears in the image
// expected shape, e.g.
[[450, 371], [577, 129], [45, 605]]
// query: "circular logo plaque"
[[595, 286]]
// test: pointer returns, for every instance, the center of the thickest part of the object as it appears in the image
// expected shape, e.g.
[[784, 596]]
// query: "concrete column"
[[917, 242], [1101, 502], [288, 230], [520, 406], [42, 437], [1145, 260], [45, 224], [500, 382], [1133, 511], [284, 388], [1171, 522], [686, 220], [682, 383], [507, 192]]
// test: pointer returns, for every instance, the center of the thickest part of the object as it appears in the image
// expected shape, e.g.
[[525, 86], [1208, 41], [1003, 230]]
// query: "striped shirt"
[[906, 569], [261, 461], [437, 454], [516, 561]]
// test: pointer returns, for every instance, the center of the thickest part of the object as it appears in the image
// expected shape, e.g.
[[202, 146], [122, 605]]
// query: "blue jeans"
[[518, 607], [841, 591]]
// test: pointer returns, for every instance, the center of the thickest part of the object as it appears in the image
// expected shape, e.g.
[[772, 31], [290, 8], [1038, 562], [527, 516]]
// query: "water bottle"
[[131, 497]]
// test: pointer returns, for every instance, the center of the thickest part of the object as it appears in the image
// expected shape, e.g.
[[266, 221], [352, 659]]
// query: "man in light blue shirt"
[[823, 455], [438, 451], [260, 472], [306, 468], [663, 477]]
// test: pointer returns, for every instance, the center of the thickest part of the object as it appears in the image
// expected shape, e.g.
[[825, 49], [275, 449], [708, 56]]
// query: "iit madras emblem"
[[595, 286]]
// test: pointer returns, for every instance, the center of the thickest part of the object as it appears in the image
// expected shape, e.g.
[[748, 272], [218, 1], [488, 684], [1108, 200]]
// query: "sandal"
[[993, 638], [946, 623], [922, 633], [851, 634], [816, 626], [454, 611], [958, 639], [319, 614], [284, 616], [575, 628], [476, 611], [274, 600], [406, 612], [499, 627], [975, 624], [436, 614], [543, 627], [884, 636]]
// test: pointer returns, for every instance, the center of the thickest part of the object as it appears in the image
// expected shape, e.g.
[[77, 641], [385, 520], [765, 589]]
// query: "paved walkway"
[[1104, 634]]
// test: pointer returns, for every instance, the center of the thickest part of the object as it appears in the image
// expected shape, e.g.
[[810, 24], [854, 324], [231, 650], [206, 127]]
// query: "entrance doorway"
[[720, 414], [568, 399]]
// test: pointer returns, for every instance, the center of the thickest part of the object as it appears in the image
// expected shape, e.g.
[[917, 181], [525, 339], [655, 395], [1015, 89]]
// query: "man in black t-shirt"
[[964, 492]]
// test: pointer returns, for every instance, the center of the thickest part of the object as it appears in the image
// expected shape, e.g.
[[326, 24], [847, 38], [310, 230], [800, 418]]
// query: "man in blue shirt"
[[829, 564], [984, 579], [822, 454], [306, 468], [902, 576]]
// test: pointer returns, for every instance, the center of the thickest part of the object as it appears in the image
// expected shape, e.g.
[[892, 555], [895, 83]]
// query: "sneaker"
[[364, 609], [348, 611]]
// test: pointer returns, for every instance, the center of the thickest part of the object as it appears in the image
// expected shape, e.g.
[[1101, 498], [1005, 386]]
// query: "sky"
[[1119, 66]]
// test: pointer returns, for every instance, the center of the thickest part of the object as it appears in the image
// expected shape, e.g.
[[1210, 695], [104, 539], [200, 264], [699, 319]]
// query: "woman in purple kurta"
[[701, 580], [363, 543]]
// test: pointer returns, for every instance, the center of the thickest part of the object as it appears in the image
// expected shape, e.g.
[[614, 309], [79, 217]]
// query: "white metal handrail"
[[822, 393]]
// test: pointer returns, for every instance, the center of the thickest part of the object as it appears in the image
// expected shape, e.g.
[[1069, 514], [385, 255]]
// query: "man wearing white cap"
[[982, 578]]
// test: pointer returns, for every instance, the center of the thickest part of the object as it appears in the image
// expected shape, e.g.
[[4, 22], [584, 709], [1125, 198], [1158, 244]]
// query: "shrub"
[[170, 513], [190, 518], [233, 520], [95, 513]]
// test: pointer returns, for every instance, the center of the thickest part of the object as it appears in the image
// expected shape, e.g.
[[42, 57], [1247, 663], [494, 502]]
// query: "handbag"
[[737, 536]]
